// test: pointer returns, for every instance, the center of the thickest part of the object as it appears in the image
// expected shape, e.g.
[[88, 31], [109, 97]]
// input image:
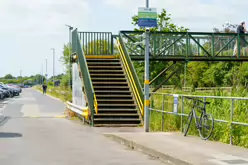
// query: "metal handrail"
[[182, 96], [130, 76]]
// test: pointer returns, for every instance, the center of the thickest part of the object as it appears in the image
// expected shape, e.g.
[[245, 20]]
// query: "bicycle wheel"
[[206, 126], [187, 124]]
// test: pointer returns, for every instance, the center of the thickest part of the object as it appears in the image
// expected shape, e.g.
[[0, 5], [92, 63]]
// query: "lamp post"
[[42, 74], [46, 69], [53, 65], [20, 76], [146, 83], [70, 29]]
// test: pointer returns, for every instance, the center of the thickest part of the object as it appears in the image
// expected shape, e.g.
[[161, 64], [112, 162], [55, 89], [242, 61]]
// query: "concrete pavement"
[[177, 149], [57, 141]]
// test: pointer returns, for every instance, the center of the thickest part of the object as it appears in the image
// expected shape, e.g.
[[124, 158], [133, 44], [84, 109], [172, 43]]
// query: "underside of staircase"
[[116, 104]]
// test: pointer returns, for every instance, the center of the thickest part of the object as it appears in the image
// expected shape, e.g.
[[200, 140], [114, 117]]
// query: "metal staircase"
[[116, 104]]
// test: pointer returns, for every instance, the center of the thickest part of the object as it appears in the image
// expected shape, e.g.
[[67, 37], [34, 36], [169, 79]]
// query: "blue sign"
[[147, 22], [147, 17]]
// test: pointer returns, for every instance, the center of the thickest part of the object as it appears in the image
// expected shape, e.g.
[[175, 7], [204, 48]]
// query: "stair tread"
[[116, 119], [105, 59], [116, 104], [106, 71], [113, 96], [116, 125], [97, 63], [113, 82], [97, 66], [116, 114], [112, 109], [107, 74], [114, 100], [114, 91], [111, 87], [110, 78]]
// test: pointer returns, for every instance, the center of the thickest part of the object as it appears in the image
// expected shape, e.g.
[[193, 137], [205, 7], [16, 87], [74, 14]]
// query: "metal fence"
[[169, 110]]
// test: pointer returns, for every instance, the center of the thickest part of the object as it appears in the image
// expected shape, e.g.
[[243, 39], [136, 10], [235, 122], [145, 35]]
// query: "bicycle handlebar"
[[192, 98]]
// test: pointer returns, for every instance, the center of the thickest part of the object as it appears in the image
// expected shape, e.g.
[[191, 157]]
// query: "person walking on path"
[[44, 87]]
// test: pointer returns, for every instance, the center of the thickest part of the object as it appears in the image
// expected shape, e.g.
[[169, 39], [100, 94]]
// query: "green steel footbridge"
[[114, 94]]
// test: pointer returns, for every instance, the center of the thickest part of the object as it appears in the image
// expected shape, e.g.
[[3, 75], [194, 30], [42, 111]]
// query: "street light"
[[20, 76], [53, 65], [46, 69], [70, 29]]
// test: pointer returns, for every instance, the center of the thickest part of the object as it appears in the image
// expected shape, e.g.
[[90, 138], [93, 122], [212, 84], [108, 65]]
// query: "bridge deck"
[[191, 58]]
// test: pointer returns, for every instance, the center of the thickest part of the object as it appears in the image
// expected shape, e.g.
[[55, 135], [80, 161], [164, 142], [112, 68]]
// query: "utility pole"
[[70, 66], [147, 82], [53, 65]]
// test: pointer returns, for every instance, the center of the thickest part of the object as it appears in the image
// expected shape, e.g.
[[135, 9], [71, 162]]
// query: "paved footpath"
[[177, 149], [30, 134]]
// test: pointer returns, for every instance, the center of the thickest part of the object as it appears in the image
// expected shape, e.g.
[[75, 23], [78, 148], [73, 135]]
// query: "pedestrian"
[[44, 87], [241, 29]]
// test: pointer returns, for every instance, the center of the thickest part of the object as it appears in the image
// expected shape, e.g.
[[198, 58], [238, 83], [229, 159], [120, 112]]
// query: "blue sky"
[[30, 28]]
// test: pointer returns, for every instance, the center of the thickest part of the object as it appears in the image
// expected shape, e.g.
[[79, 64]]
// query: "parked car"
[[5, 92], [16, 87], [1, 95]]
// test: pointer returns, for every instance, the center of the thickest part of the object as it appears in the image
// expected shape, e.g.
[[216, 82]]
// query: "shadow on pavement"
[[3, 120], [9, 135]]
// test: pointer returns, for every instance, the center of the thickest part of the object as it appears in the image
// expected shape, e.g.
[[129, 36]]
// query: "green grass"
[[219, 108], [62, 93]]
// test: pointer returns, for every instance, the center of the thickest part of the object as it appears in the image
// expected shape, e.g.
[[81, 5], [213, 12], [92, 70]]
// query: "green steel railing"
[[186, 44], [89, 90], [97, 43], [133, 72]]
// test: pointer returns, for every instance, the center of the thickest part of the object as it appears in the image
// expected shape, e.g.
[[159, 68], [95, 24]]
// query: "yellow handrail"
[[95, 104], [130, 76]]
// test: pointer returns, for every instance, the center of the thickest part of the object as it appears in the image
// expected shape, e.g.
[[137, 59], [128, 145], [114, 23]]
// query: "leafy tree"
[[9, 76], [164, 25], [226, 28]]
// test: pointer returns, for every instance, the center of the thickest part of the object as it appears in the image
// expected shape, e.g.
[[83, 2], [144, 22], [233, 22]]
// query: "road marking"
[[30, 110]]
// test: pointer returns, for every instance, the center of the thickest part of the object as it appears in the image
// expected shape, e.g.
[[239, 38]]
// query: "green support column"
[[238, 46], [213, 45]]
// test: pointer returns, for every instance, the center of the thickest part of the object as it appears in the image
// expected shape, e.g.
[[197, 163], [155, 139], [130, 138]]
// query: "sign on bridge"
[[77, 93], [147, 17]]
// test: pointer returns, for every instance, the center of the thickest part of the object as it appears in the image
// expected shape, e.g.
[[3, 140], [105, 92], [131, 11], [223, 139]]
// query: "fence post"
[[162, 112], [231, 119], [182, 114]]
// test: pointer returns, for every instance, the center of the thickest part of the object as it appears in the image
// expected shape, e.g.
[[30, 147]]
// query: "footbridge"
[[113, 92]]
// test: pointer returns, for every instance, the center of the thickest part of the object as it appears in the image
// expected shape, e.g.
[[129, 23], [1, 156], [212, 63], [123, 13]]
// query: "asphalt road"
[[30, 135]]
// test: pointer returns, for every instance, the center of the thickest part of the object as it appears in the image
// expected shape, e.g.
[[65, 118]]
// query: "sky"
[[30, 28]]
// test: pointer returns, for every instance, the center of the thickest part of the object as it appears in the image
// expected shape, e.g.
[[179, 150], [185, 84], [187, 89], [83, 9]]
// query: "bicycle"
[[201, 123]]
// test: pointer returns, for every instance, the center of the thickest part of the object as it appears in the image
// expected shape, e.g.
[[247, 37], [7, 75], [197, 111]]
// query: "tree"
[[9, 76], [226, 28], [164, 25]]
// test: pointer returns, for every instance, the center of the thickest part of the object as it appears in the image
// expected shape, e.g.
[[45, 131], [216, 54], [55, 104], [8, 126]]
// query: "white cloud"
[[29, 28], [198, 15]]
